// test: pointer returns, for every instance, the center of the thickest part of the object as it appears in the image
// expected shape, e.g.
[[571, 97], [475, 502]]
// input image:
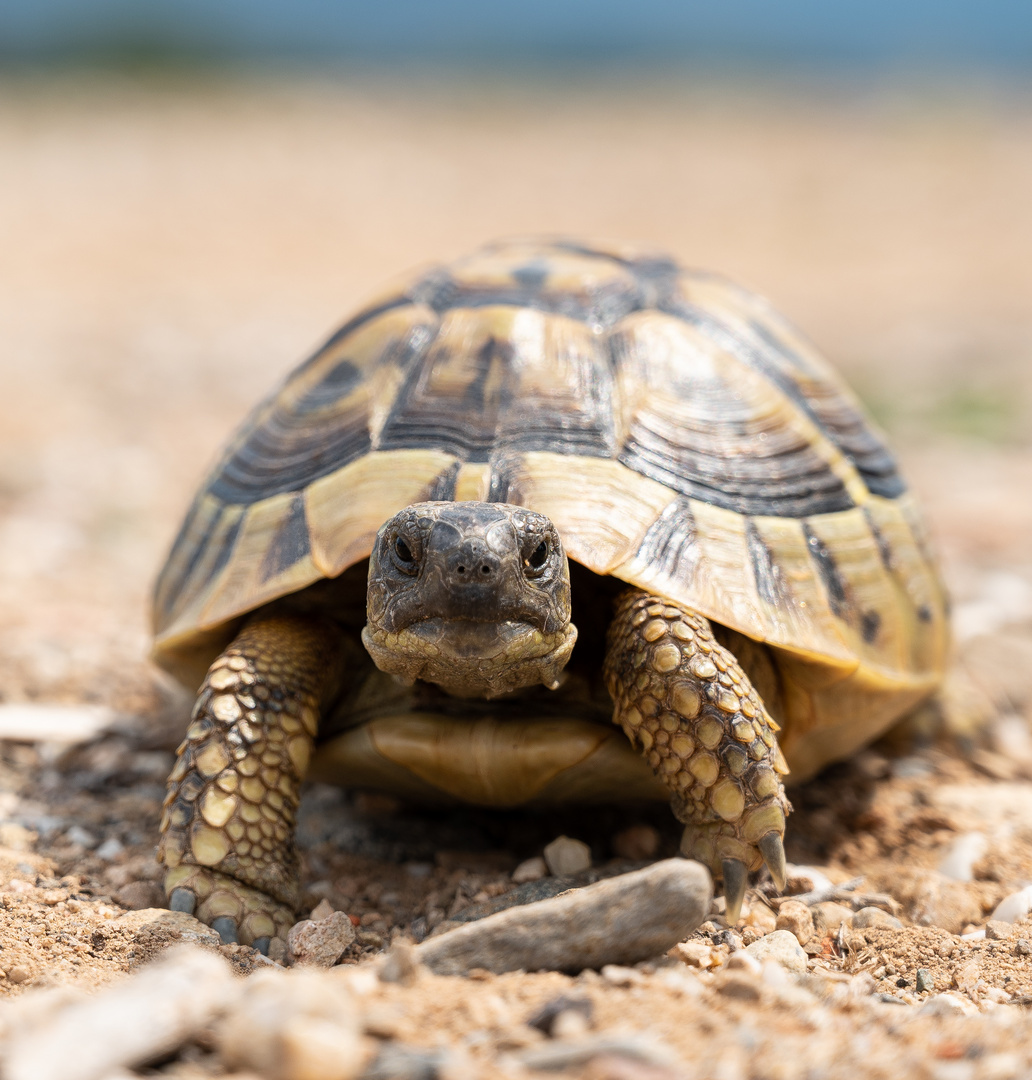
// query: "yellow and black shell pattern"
[[680, 433]]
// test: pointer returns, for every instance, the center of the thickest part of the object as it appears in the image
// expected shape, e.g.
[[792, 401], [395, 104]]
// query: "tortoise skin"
[[681, 435]]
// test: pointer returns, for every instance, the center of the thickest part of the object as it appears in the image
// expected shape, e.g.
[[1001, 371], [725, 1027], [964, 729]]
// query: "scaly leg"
[[685, 700], [227, 833]]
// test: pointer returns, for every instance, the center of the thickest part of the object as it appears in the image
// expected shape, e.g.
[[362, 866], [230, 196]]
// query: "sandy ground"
[[170, 249]]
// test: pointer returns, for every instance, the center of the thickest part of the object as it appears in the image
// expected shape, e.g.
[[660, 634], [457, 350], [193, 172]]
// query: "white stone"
[[1015, 907], [959, 861], [565, 856], [54, 723], [947, 1005], [782, 947], [530, 870], [111, 849]]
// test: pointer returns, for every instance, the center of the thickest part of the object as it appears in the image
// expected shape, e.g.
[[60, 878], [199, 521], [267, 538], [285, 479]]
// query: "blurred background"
[[194, 194]]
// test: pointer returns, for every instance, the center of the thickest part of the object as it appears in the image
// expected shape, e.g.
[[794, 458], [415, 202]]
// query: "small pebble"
[[530, 870], [796, 918], [111, 849], [322, 910], [320, 943], [997, 930], [1021, 948], [693, 953], [566, 856], [637, 842], [872, 918], [1015, 907], [759, 917], [782, 947], [923, 981], [19, 974]]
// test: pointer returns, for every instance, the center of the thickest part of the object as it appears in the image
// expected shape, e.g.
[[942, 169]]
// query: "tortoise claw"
[[262, 945], [183, 900], [226, 928], [773, 851], [736, 878]]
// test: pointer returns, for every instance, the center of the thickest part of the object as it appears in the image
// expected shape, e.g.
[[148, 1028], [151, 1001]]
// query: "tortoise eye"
[[403, 553], [538, 556]]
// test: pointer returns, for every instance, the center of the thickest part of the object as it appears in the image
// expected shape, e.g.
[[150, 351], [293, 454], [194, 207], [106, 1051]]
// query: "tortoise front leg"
[[227, 833], [685, 700]]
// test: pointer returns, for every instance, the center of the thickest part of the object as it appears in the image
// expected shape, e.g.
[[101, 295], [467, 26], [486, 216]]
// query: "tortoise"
[[377, 583]]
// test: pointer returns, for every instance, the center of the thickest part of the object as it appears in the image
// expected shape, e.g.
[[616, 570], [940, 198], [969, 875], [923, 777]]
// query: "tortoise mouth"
[[472, 659], [470, 639]]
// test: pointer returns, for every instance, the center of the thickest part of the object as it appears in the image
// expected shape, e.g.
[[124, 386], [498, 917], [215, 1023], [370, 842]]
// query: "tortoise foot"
[[237, 912], [685, 700], [730, 856]]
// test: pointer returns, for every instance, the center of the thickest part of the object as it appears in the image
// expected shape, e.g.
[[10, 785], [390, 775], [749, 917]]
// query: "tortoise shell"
[[681, 435]]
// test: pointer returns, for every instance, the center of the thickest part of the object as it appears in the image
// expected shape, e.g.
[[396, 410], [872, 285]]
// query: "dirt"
[[179, 246]]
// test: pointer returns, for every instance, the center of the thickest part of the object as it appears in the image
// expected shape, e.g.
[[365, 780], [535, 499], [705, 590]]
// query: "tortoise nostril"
[[460, 569], [485, 569]]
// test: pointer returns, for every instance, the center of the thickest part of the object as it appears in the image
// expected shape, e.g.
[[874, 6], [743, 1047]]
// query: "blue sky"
[[994, 35]]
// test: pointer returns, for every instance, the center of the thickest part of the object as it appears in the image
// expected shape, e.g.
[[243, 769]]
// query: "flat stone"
[[565, 856], [872, 918], [621, 920], [781, 947], [321, 942], [177, 924]]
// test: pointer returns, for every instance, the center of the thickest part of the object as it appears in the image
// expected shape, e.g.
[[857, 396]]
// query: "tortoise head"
[[473, 596]]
